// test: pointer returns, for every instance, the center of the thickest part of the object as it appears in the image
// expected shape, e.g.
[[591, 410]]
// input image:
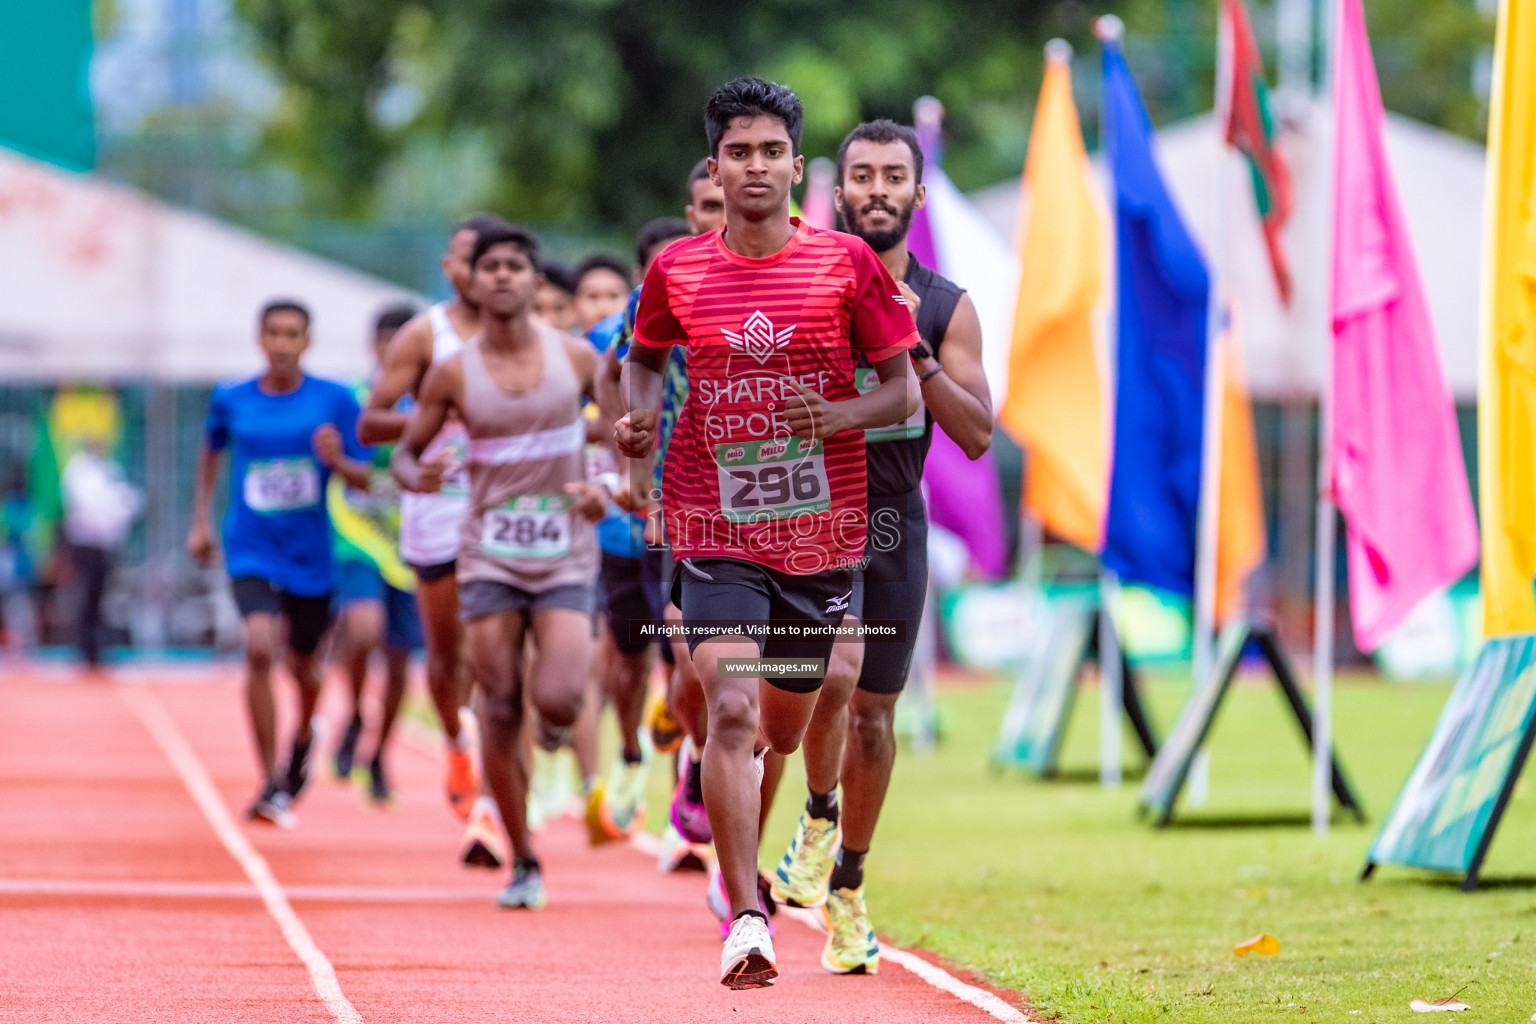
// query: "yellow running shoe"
[[666, 734], [616, 808], [851, 944], [800, 880]]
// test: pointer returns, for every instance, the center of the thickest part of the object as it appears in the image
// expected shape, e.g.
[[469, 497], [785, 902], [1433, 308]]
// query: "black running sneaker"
[[296, 775], [378, 786], [346, 751], [272, 806]]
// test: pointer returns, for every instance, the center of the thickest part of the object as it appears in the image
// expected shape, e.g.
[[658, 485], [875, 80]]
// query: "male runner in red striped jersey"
[[764, 485]]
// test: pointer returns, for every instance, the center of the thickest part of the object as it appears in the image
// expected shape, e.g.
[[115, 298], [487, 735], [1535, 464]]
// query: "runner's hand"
[[913, 301], [635, 433], [811, 416], [200, 544], [591, 500], [326, 441], [429, 475]]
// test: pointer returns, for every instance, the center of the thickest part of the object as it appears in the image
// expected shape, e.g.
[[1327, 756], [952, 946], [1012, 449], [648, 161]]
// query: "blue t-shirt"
[[277, 528], [618, 533]]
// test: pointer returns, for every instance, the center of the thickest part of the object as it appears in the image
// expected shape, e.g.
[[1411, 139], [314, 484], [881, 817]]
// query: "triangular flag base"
[[1170, 770], [1450, 807], [1035, 723]]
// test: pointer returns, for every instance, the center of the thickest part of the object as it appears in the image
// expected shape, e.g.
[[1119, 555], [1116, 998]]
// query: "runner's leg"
[[262, 630], [496, 664], [438, 601]]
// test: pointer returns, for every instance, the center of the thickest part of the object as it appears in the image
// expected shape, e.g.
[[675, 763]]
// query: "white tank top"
[[429, 523]]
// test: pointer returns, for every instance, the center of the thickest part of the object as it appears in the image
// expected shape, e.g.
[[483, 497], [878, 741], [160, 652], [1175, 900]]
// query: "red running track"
[[120, 901]]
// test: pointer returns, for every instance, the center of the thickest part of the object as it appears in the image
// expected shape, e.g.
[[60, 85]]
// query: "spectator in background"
[[18, 574], [99, 508], [554, 300]]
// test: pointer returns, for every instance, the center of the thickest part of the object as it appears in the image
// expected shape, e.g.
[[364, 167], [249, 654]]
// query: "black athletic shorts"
[[308, 617], [433, 573], [891, 586], [628, 604], [722, 596]]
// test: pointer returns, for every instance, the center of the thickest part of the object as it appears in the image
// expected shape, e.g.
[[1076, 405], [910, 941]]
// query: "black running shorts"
[[435, 572], [724, 596], [308, 617], [628, 606], [891, 586]]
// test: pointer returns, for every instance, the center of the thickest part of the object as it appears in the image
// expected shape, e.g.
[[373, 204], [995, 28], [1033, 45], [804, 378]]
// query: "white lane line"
[[295, 893], [165, 733], [648, 845]]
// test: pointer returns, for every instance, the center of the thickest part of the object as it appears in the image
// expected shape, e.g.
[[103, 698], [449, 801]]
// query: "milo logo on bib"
[[758, 482], [866, 379], [273, 486]]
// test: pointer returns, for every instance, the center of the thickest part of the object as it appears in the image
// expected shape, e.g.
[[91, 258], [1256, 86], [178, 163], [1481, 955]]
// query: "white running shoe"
[[747, 960], [760, 762]]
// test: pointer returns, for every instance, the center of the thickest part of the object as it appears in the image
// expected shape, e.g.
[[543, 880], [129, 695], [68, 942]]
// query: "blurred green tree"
[[593, 109]]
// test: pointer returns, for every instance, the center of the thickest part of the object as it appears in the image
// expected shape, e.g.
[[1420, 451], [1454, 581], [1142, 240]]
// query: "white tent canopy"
[[1440, 180], [99, 282]]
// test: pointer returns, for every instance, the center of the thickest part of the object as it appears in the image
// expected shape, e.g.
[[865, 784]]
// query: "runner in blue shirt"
[[286, 433]]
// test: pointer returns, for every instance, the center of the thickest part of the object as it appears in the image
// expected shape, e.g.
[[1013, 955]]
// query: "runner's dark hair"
[[394, 318], [507, 235], [598, 262], [883, 130], [699, 173], [662, 229], [751, 97], [480, 223], [559, 276], [284, 306]]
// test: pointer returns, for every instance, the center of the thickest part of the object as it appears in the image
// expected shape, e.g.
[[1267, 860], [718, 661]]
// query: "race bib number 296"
[[772, 479], [281, 485]]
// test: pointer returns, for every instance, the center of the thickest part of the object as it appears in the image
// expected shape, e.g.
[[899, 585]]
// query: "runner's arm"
[[811, 416], [406, 361], [640, 392], [436, 400], [200, 538], [958, 395], [328, 449]]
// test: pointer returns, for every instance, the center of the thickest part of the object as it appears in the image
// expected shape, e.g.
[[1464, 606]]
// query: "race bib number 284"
[[772, 479], [528, 526]]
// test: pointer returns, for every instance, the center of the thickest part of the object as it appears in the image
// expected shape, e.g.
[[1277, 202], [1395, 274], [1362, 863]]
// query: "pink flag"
[[1398, 475]]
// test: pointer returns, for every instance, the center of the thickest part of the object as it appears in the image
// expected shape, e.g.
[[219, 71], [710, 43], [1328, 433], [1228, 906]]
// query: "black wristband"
[[938, 368]]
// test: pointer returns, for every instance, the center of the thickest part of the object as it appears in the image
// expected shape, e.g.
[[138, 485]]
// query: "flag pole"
[[1327, 514], [1203, 633], [1109, 29]]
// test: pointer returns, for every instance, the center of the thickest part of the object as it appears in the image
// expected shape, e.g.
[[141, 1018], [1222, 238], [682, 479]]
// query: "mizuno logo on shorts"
[[701, 574], [839, 604]]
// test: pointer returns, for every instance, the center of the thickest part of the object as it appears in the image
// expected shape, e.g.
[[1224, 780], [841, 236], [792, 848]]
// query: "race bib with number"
[[281, 485], [528, 526], [866, 379], [772, 479]]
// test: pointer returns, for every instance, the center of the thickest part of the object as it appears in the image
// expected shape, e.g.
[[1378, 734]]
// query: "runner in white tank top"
[[429, 531]]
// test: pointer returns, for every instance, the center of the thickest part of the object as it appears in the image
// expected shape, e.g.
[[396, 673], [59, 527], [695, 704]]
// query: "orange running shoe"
[[463, 783], [484, 846]]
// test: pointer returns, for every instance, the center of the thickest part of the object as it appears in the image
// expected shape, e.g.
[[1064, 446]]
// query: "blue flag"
[[1162, 288]]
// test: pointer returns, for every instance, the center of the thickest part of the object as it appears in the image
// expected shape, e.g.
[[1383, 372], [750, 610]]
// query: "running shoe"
[[616, 808], [666, 734], [484, 846], [687, 814], [719, 901], [526, 890], [296, 775], [346, 750], [677, 854], [378, 786], [272, 806], [800, 880], [463, 784], [851, 944], [747, 960]]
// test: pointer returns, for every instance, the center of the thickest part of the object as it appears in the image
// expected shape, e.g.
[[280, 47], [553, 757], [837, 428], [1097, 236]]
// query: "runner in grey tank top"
[[527, 553]]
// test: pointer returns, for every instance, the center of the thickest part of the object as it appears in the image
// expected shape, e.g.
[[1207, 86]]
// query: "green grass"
[[1055, 890]]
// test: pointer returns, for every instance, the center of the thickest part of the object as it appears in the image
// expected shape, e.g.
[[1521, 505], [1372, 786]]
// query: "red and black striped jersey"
[[737, 483]]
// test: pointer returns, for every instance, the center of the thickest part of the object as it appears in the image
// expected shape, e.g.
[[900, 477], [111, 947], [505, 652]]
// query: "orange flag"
[[1240, 535], [1055, 403]]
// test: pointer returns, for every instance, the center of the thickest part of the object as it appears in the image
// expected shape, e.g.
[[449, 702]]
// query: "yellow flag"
[[1240, 535], [1055, 403], [1507, 406]]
